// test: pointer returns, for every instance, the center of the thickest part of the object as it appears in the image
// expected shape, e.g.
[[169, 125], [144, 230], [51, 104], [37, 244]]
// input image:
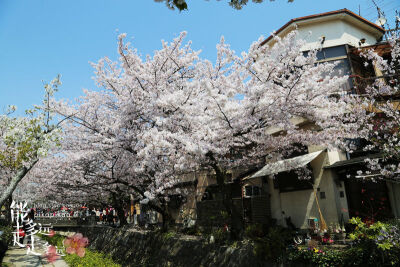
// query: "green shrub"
[[377, 244], [383, 235], [374, 245], [168, 235], [221, 236], [56, 240], [254, 231], [91, 259], [5, 240], [191, 231], [6, 235], [316, 257], [273, 245]]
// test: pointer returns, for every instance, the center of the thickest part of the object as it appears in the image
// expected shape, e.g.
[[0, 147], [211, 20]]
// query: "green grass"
[[91, 258], [56, 240]]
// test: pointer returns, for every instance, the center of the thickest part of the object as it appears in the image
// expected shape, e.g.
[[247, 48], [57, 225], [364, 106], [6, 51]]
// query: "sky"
[[42, 38]]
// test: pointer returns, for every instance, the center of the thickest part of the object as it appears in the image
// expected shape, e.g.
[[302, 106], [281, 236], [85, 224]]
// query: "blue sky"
[[42, 38]]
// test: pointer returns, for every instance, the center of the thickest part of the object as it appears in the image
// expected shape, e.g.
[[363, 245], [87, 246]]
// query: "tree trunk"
[[14, 182], [121, 215], [226, 193], [7, 205], [166, 221], [119, 207]]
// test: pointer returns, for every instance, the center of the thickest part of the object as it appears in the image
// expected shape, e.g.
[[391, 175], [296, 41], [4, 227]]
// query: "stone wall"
[[130, 247]]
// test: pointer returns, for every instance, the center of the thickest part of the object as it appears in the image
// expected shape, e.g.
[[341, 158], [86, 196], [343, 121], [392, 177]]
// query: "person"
[[114, 214], [109, 217], [97, 215], [31, 214], [134, 217]]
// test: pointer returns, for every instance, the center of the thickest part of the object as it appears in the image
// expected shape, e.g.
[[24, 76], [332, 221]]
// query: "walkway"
[[17, 257]]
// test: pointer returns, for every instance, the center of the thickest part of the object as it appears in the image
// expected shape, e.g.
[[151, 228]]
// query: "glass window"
[[248, 191], [330, 52]]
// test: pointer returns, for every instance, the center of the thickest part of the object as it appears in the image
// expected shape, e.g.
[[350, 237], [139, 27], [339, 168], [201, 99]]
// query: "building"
[[335, 194], [330, 195]]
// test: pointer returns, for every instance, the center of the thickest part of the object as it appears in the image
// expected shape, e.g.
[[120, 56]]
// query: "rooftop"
[[326, 14]]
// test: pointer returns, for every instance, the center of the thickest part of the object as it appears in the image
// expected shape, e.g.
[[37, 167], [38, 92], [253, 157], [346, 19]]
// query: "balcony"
[[361, 86]]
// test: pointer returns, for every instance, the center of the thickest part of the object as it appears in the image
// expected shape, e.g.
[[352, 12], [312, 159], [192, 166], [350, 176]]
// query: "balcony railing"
[[360, 84]]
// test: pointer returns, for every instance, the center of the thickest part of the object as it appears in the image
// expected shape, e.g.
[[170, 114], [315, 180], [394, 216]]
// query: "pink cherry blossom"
[[76, 244], [51, 254]]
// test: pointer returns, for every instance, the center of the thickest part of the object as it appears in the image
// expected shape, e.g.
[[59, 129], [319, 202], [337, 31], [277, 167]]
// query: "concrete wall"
[[143, 248], [301, 205]]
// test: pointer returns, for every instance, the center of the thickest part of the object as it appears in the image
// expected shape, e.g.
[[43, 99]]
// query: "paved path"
[[17, 257]]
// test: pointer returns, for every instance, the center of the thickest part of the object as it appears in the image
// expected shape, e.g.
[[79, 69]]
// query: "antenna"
[[381, 21]]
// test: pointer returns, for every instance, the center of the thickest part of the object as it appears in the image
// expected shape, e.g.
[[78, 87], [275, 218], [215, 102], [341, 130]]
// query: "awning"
[[285, 165], [354, 161]]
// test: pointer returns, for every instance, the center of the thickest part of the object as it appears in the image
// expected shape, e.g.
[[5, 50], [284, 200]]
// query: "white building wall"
[[336, 33], [301, 205]]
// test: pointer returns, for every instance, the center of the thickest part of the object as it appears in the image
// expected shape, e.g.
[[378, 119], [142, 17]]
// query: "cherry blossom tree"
[[108, 150], [159, 117], [381, 98], [263, 102], [24, 141]]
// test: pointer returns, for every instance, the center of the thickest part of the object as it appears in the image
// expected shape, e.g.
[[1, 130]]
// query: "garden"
[[376, 244]]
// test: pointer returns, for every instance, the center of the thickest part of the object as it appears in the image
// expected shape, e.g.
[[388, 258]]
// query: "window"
[[331, 52], [252, 191], [289, 181], [338, 54]]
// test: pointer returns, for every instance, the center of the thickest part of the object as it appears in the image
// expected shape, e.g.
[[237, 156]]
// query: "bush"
[[374, 245], [168, 235], [56, 240], [5, 240], [193, 230], [316, 257], [273, 245], [221, 236], [91, 259], [254, 231], [6, 234]]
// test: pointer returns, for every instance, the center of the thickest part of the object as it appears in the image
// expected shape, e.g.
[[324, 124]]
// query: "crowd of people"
[[106, 215], [137, 214]]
